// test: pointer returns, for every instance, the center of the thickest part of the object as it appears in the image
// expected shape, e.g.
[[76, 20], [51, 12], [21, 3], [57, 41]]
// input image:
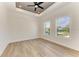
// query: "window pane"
[[63, 26], [47, 27]]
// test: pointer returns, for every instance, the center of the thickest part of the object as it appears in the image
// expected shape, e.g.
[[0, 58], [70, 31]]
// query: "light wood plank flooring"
[[37, 48]]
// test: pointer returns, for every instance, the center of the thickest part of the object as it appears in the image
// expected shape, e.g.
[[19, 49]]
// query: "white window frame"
[[45, 27], [68, 26]]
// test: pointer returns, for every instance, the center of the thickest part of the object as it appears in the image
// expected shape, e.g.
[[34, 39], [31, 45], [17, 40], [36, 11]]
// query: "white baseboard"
[[1, 51], [58, 43], [22, 39], [16, 40]]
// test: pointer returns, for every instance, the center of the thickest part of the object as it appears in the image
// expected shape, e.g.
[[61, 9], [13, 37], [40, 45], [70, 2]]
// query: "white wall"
[[15, 25], [63, 9], [4, 38], [22, 26]]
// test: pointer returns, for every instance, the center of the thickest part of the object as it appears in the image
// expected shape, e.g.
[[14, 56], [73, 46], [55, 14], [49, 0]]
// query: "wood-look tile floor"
[[38, 48]]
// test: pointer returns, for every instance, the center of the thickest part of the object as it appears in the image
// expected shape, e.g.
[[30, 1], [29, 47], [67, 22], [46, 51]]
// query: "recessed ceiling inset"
[[35, 7]]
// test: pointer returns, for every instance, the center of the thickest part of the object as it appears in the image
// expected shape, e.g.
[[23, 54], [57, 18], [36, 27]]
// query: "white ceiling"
[[31, 9]]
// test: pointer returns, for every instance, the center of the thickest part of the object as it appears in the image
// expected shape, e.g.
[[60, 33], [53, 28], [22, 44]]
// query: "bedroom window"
[[47, 27], [63, 28]]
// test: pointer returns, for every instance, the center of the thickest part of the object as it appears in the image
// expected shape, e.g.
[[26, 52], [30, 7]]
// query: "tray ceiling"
[[24, 6]]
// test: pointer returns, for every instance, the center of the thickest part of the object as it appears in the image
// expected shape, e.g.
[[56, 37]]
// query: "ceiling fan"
[[36, 5]]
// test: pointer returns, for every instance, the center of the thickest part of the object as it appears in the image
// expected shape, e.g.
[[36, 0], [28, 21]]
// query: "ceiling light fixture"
[[36, 6]]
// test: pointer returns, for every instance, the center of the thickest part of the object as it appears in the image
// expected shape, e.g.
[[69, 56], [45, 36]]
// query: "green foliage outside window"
[[63, 26], [47, 27]]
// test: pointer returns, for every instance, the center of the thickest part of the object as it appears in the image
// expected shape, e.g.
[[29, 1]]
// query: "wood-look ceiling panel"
[[23, 5]]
